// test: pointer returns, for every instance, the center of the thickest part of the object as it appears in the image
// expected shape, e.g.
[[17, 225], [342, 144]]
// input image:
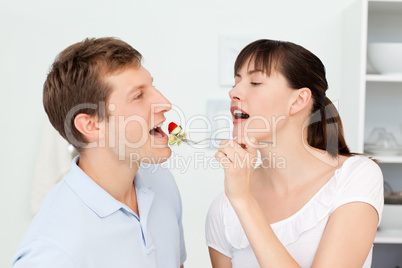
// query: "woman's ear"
[[301, 100], [89, 126]]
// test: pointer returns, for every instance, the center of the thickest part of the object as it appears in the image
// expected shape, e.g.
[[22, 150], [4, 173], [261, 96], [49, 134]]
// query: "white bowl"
[[386, 58]]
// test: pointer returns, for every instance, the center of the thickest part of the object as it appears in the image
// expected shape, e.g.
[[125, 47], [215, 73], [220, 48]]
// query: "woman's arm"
[[238, 163], [267, 248], [346, 241], [348, 236], [218, 260]]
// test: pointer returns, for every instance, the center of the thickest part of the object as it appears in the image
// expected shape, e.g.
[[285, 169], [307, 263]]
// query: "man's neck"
[[115, 176]]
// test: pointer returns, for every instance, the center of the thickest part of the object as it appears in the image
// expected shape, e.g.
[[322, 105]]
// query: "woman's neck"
[[291, 161]]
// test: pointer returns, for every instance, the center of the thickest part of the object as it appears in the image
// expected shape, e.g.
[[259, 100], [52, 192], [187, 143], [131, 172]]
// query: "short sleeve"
[[41, 254], [215, 228], [362, 181]]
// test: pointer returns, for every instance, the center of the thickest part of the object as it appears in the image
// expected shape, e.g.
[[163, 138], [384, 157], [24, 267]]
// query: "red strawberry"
[[171, 127]]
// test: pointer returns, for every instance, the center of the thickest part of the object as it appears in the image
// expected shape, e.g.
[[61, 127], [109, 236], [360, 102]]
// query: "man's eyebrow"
[[139, 87], [134, 89]]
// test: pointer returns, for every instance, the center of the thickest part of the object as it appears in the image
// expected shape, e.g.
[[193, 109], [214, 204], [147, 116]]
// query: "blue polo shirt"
[[80, 225]]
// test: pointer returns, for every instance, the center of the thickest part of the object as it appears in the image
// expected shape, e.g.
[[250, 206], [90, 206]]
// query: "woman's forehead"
[[256, 64]]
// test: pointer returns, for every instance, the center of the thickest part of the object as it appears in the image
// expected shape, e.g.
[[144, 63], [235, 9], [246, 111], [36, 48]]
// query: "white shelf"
[[385, 1], [373, 100], [383, 78], [385, 6], [387, 159], [385, 236], [382, 2]]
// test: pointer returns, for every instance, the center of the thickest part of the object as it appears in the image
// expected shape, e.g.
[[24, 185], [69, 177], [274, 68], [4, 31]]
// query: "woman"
[[320, 207]]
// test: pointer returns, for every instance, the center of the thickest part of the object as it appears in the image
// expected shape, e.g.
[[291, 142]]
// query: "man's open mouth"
[[157, 131]]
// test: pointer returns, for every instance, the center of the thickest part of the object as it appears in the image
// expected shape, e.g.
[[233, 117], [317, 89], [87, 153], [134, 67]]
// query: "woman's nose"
[[235, 94]]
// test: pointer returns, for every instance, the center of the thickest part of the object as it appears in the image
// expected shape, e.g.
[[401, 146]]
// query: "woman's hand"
[[238, 158]]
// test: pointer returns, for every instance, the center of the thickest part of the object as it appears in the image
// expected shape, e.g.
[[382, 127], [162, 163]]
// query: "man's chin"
[[158, 157]]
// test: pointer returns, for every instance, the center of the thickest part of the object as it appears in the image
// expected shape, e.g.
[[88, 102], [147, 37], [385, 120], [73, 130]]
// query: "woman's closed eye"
[[255, 83]]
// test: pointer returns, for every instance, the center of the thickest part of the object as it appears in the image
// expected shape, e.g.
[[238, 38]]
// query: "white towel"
[[53, 162]]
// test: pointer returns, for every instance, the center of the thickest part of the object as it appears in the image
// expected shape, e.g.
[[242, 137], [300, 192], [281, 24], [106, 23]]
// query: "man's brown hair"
[[75, 82]]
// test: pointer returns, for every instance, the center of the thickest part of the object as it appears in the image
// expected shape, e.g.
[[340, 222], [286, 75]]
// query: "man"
[[109, 210]]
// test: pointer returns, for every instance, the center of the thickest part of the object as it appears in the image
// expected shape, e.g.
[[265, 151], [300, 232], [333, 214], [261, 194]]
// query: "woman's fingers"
[[223, 159], [229, 144], [248, 144], [241, 153], [225, 154], [231, 149]]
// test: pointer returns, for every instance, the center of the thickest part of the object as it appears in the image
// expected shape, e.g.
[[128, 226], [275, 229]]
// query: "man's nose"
[[161, 104]]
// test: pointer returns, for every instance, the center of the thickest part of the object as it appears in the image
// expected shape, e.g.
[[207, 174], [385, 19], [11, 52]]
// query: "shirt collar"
[[94, 196], [140, 182]]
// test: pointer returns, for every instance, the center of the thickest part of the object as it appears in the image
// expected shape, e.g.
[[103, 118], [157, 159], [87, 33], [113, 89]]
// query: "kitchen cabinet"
[[371, 100]]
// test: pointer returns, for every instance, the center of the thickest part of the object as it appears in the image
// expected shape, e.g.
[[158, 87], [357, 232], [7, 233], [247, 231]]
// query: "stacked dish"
[[386, 58]]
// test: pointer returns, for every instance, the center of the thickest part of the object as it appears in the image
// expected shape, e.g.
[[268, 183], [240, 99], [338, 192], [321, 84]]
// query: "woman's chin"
[[257, 136]]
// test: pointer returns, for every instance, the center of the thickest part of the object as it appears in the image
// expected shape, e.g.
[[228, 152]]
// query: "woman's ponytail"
[[325, 130]]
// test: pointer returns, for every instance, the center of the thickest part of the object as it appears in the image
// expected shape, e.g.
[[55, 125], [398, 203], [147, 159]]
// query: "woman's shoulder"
[[360, 159], [356, 174], [359, 179], [359, 165]]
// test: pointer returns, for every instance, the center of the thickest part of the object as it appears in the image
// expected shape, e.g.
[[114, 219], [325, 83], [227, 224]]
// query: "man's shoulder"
[[58, 209], [40, 253]]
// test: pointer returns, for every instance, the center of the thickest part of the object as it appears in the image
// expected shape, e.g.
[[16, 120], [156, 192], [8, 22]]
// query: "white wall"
[[180, 43]]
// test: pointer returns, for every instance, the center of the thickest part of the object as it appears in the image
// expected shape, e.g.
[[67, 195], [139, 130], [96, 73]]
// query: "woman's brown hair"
[[301, 68]]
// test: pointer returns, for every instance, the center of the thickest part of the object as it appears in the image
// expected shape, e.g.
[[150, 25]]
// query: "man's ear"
[[301, 100], [89, 126]]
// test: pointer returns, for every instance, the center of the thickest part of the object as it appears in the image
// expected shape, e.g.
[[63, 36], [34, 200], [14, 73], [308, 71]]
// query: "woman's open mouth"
[[238, 114]]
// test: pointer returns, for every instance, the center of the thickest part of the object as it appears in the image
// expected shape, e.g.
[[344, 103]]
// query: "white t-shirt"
[[359, 179]]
